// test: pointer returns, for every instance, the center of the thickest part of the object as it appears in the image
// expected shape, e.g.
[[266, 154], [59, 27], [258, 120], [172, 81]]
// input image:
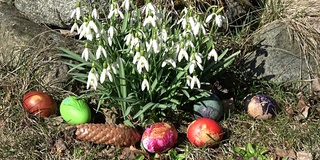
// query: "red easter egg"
[[204, 132], [39, 104]]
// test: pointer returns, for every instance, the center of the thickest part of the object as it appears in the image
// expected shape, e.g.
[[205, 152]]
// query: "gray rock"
[[32, 47], [278, 57], [51, 12], [10, 2]]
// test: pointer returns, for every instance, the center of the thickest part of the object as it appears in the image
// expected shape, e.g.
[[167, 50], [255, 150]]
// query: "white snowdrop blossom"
[[102, 33], [145, 84], [169, 60], [92, 25], [154, 45], [136, 57], [76, 13], [208, 19], [115, 67], [106, 72], [164, 35], [182, 53], [126, 5], [111, 32], [128, 38], [191, 81], [85, 53], [101, 50], [219, 20], [83, 29], [149, 8], [193, 64], [95, 13], [150, 20], [142, 63], [115, 10], [92, 79], [213, 53], [74, 27]]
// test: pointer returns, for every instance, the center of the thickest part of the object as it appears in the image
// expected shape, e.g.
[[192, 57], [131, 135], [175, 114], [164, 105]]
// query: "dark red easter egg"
[[204, 132], [39, 104]]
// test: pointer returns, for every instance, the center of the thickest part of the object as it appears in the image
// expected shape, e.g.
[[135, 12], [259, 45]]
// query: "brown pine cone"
[[109, 134]]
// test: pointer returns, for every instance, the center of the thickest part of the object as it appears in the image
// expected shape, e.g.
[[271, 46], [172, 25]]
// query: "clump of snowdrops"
[[144, 60]]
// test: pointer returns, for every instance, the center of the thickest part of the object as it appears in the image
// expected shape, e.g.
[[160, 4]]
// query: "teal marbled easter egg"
[[208, 107]]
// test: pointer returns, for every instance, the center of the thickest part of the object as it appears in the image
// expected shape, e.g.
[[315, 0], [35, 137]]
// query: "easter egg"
[[204, 132], [159, 137], [75, 111], [261, 106], [208, 107], [39, 104]]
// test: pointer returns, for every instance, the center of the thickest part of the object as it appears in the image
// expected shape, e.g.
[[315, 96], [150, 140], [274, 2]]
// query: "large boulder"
[[288, 49], [33, 48], [51, 12]]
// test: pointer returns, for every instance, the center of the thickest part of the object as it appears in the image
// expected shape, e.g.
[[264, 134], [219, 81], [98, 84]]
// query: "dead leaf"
[[303, 108], [59, 147], [289, 111], [304, 156], [281, 152], [292, 154], [315, 87]]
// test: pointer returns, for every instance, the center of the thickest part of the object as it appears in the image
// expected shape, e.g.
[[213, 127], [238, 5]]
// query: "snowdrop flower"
[[149, 8], [169, 60], [76, 12], [114, 10], [74, 27], [92, 79], [145, 84], [111, 32], [142, 63], [95, 13], [182, 53], [150, 20], [213, 53], [128, 38], [85, 53], [154, 44], [164, 34], [183, 19], [219, 20], [106, 72], [115, 67], [136, 57], [85, 31], [92, 25], [126, 5], [193, 64], [102, 33], [101, 50], [191, 81]]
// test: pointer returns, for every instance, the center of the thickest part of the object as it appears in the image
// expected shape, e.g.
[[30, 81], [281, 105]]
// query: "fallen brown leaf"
[[304, 156], [281, 152]]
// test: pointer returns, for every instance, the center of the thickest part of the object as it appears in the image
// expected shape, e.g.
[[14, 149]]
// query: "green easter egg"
[[75, 111]]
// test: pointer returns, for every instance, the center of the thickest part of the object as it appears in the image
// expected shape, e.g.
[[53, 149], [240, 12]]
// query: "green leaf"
[[144, 108], [249, 148]]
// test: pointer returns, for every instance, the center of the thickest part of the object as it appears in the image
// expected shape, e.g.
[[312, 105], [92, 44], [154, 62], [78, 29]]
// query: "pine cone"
[[109, 134]]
